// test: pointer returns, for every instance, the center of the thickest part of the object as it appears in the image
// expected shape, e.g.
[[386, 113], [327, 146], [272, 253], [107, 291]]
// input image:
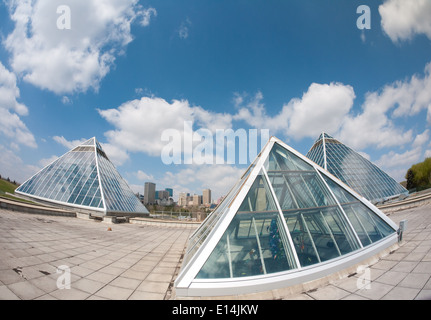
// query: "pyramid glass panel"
[[254, 243], [350, 167], [286, 215], [83, 178], [317, 226], [368, 226]]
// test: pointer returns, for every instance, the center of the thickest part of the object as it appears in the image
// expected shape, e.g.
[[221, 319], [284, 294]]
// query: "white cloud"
[[75, 59], [145, 15], [139, 124], [402, 19], [183, 31], [396, 160], [141, 175], [116, 154], [46, 161], [66, 100], [11, 124], [13, 167], [396, 164], [68, 144], [372, 127], [375, 124], [323, 106], [421, 139]]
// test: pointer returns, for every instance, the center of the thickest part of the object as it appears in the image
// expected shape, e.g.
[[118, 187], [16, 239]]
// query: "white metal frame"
[[187, 285]]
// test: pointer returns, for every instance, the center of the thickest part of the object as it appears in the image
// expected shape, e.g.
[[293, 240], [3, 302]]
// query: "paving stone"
[[69, 294], [423, 267], [127, 283], [155, 287], [138, 262], [88, 285], [424, 295], [328, 293], [400, 293], [114, 293], [415, 280], [7, 294], [405, 266], [376, 292], [392, 277], [25, 290], [142, 295]]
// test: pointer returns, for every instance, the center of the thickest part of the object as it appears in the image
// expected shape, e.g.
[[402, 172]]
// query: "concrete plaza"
[[131, 261]]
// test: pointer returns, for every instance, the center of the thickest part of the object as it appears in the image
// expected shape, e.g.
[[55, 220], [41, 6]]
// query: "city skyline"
[[138, 75]]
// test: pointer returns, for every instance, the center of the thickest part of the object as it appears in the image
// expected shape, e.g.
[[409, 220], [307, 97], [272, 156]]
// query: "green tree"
[[419, 175], [410, 179]]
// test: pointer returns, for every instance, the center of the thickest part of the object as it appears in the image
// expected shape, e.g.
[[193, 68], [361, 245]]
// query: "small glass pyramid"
[[286, 221], [84, 178], [353, 169]]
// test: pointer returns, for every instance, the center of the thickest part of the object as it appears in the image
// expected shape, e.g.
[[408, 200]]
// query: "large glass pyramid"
[[350, 167], [85, 179], [286, 221]]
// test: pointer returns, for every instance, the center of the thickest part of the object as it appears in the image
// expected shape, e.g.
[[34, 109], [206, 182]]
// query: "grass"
[[9, 187]]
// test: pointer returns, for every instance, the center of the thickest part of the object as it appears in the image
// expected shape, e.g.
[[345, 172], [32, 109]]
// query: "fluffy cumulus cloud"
[[381, 109], [70, 46], [140, 124], [11, 111], [322, 106], [402, 19]]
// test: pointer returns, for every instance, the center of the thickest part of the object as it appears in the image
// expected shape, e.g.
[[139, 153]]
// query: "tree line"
[[419, 175]]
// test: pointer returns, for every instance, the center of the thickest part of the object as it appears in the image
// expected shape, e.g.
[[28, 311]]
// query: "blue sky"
[[126, 71]]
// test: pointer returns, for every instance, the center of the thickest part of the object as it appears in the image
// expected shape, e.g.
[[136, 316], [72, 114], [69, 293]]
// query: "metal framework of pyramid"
[[86, 180], [286, 221], [350, 167]]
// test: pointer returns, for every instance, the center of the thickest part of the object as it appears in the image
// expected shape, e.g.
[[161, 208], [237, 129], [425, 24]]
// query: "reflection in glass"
[[254, 243]]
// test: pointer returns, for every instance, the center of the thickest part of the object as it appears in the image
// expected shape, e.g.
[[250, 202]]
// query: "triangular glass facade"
[[354, 170], [285, 215], [83, 178]]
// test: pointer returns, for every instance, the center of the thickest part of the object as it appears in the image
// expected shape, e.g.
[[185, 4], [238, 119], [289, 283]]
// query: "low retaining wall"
[[35, 209], [164, 223], [406, 204]]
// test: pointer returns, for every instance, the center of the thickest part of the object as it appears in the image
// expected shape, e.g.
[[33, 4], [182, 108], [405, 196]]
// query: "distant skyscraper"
[[171, 191], [150, 193], [197, 200], [206, 197], [162, 194], [353, 169], [182, 199]]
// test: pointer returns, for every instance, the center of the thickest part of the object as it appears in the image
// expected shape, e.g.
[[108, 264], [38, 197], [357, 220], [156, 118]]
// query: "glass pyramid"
[[285, 222], [354, 170], [85, 179]]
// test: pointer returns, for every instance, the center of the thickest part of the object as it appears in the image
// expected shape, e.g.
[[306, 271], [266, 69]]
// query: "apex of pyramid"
[[284, 214], [84, 179]]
